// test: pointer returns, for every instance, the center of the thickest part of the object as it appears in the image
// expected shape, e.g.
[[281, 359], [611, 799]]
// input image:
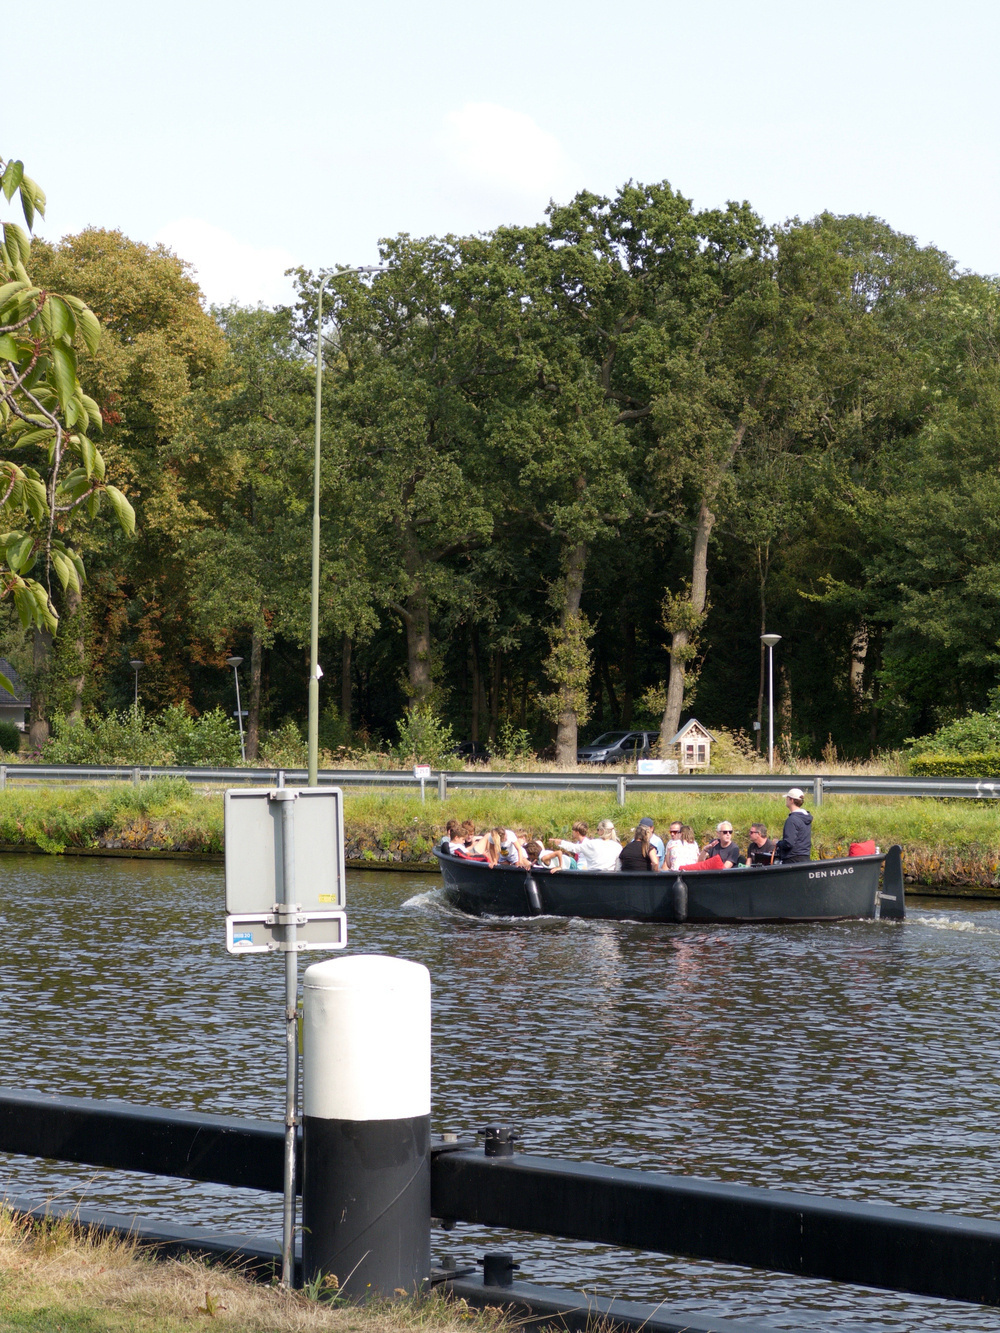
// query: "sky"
[[251, 137]]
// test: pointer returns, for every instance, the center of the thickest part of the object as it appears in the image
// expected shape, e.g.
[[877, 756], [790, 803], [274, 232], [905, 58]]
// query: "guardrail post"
[[3, 777], [135, 776], [442, 786], [817, 791], [366, 1184], [281, 778], [621, 788]]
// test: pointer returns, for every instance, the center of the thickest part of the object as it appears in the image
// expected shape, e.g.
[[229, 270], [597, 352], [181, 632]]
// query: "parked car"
[[472, 752], [615, 747]]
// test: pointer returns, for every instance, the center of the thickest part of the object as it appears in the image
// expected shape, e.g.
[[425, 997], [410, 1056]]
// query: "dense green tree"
[[419, 355], [47, 416], [158, 346], [569, 471], [247, 500]]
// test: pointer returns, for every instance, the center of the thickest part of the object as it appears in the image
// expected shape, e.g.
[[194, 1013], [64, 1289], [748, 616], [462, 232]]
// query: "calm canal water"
[[859, 1060]]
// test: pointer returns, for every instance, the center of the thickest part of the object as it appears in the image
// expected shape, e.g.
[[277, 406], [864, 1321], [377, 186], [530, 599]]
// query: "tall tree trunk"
[[763, 553], [761, 686], [785, 710], [859, 651], [628, 670], [416, 618], [681, 638], [253, 710], [567, 721], [72, 622], [682, 635], [496, 685], [41, 661], [873, 662], [762, 674], [346, 702], [476, 689], [616, 712]]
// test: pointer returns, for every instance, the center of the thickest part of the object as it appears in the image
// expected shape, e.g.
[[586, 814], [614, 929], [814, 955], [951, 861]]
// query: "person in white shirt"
[[686, 852], [520, 844], [600, 853], [673, 843]]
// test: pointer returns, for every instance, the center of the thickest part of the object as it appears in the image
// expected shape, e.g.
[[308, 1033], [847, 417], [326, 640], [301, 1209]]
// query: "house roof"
[[692, 727], [21, 695]]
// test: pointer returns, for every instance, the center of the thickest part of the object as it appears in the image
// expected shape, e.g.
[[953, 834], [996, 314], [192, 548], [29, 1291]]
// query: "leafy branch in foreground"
[[45, 414]]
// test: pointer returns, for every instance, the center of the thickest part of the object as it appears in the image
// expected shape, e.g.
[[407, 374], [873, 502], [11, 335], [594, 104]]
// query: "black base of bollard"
[[366, 1202]]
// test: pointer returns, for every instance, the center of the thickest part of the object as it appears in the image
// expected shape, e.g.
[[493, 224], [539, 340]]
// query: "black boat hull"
[[836, 890]]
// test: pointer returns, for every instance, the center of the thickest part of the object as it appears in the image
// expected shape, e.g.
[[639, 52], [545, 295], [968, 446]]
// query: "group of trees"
[[571, 472]]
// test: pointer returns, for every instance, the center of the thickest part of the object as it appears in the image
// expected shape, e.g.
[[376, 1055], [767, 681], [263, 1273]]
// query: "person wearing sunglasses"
[[722, 845], [673, 842]]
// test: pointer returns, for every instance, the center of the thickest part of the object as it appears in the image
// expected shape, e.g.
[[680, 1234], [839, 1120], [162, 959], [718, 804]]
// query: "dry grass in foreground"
[[59, 1278]]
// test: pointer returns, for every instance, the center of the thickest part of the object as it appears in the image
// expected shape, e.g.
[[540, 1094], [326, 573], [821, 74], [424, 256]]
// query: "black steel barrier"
[[872, 1245], [218, 1149], [896, 1249]]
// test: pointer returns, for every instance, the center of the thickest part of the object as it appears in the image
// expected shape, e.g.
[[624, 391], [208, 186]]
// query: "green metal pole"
[[314, 598]]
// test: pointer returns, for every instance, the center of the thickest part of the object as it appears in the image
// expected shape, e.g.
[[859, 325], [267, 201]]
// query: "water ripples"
[[851, 1059]]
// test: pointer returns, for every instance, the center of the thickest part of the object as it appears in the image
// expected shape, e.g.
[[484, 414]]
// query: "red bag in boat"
[[471, 856], [713, 863], [863, 848]]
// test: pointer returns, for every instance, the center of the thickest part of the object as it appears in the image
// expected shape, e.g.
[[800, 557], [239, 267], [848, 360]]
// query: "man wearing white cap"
[[796, 837]]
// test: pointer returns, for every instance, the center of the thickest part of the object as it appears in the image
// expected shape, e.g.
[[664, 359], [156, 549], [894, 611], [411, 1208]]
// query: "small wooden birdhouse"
[[693, 745]]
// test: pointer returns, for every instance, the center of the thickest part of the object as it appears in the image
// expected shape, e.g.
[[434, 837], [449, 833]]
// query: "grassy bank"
[[166, 814], [57, 1276], [946, 844]]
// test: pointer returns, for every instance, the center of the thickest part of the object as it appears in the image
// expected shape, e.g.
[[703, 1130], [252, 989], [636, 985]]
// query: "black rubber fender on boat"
[[533, 896], [679, 894]]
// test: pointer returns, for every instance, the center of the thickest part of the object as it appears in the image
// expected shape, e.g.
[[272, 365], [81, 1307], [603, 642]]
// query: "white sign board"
[[250, 933], [651, 766], [422, 771], [254, 858]]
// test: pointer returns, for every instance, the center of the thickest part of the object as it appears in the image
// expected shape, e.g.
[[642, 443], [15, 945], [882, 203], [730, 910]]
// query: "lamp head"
[[770, 639], [135, 663], [234, 662]]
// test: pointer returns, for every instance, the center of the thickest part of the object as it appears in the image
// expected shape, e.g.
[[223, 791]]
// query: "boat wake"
[[436, 901], [431, 900], [949, 923]]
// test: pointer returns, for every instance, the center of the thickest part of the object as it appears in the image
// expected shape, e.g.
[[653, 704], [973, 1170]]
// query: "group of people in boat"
[[645, 851]]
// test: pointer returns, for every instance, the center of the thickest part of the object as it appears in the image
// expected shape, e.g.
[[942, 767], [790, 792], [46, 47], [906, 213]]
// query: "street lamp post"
[[770, 640], [315, 671], [135, 663], [235, 663]]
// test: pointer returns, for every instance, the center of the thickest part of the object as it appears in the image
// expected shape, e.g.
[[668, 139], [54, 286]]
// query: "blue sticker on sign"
[[242, 939]]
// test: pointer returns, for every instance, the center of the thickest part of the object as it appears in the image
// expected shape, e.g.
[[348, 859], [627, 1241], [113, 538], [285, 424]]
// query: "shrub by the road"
[[132, 736]]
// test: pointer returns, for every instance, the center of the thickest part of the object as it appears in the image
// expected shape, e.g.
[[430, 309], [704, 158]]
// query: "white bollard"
[[366, 1191]]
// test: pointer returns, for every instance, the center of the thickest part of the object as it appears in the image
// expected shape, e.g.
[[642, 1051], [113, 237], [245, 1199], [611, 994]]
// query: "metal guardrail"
[[896, 1249], [219, 1149], [621, 784]]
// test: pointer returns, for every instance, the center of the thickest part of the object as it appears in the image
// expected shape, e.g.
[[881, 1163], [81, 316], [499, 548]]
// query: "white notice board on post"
[[254, 881]]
